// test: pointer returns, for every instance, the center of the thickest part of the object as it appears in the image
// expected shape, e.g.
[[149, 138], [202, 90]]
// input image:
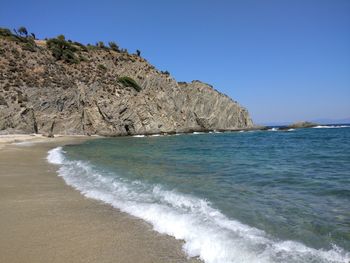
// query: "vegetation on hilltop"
[[66, 50], [20, 36], [165, 72], [61, 49], [113, 46]]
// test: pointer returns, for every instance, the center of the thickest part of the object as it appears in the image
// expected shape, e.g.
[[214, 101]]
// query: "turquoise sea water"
[[262, 196]]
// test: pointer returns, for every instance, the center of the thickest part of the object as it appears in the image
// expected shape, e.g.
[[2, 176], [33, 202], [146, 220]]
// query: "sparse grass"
[[83, 58], [29, 44], [91, 47], [81, 46], [5, 32], [101, 67], [129, 82]]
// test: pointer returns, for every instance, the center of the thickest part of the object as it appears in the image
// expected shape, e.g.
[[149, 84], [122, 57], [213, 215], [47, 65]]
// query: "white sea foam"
[[139, 136], [207, 232], [331, 126], [198, 132], [23, 143], [55, 156], [29, 143], [273, 129]]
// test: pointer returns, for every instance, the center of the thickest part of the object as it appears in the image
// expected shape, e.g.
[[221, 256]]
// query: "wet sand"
[[44, 220]]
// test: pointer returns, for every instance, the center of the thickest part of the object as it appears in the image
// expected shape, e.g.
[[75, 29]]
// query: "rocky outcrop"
[[39, 94], [299, 125]]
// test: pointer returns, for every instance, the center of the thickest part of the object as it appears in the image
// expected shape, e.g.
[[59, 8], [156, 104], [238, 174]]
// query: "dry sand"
[[44, 220]]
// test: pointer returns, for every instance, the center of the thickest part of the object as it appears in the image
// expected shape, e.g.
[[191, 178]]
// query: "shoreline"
[[45, 220], [38, 137], [30, 139]]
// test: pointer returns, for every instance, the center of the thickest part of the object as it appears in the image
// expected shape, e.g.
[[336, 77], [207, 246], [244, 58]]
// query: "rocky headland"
[[57, 86]]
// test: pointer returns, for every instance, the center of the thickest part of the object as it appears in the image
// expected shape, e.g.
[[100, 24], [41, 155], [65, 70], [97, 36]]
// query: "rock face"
[[39, 94]]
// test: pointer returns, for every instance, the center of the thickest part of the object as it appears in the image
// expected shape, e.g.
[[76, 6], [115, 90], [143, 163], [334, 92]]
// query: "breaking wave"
[[207, 232]]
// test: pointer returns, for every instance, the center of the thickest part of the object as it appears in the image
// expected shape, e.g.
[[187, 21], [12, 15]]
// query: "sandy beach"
[[44, 220]]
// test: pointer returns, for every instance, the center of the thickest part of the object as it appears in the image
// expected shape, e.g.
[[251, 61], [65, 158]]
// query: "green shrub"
[[129, 82], [27, 42], [91, 47], [62, 49], [61, 37], [78, 44], [100, 44], [5, 32], [69, 56], [81, 46], [101, 67], [29, 45], [82, 58], [23, 31], [113, 46], [165, 72]]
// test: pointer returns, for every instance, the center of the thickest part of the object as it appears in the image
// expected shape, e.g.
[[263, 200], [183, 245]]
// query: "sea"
[[250, 196]]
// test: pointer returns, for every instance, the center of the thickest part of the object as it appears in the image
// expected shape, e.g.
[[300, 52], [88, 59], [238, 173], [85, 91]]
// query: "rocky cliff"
[[103, 91]]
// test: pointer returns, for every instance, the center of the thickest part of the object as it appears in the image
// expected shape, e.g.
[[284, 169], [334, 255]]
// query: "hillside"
[[63, 87]]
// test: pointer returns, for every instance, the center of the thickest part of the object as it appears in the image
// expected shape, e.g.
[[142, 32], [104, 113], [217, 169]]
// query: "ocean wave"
[[331, 126], [273, 129], [208, 234], [138, 136]]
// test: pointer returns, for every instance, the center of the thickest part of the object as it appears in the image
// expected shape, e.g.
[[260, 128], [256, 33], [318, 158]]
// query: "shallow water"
[[280, 196]]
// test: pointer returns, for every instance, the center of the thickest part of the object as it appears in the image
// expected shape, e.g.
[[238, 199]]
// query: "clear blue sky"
[[285, 60]]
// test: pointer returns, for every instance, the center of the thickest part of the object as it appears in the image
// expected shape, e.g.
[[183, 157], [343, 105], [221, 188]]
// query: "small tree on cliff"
[[113, 46], [62, 49], [23, 31], [100, 44], [61, 38]]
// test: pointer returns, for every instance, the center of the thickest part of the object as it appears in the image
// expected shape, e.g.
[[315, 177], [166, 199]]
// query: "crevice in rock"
[[123, 110]]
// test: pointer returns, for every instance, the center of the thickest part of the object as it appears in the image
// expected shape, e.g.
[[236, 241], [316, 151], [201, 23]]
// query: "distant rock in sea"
[[59, 86], [298, 125]]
